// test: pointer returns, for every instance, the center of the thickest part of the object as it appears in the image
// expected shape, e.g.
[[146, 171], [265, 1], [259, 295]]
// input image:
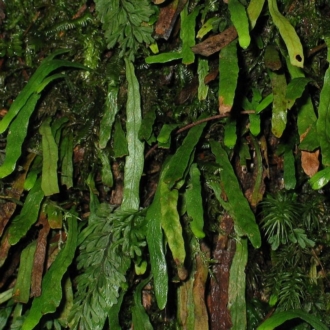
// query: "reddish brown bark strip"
[[215, 43], [223, 254], [39, 257], [167, 18]]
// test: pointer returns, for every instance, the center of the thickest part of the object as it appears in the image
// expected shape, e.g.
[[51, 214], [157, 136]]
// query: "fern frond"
[[110, 242], [125, 23]]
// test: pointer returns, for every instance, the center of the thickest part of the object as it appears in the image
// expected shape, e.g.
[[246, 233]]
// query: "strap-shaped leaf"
[[158, 263], [66, 153], [234, 202], [21, 291], [135, 159], [187, 34], [288, 34], [177, 165], [110, 110], [320, 179], [29, 214], [279, 113], [289, 170], [237, 283], [254, 10], [202, 70], [228, 69], [16, 136], [49, 181], [281, 317], [194, 202], [240, 20], [35, 85], [52, 282], [170, 221], [322, 125], [139, 314]]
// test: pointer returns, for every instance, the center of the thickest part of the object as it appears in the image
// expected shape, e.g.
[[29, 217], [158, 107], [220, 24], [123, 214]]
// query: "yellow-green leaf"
[[254, 10], [288, 34], [170, 221], [240, 20]]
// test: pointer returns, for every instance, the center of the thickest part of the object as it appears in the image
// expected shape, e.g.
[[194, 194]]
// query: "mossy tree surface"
[[164, 164]]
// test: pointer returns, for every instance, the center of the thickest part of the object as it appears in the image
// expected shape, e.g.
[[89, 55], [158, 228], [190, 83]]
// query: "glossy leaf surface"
[[135, 159], [288, 34]]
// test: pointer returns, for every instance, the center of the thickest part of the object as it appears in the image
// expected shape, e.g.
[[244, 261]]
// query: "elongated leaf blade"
[[52, 283], [139, 314], [163, 57], [202, 70], [158, 263], [29, 214], [288, 34], [236, 204], [237, 284], [110, 110], [21, 291], [170, 221], [281, 317], [254, 10], [49, 183], [240, 20], [320, 179], [279, 113], [177, 165], [187, 34], [194, 202], [135, 159], [228, 69], [16, 136], [322, 124], [66, 152], [35, 86]]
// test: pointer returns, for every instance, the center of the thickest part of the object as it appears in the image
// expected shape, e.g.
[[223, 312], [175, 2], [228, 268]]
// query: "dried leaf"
[[310, 162], [215, 43]]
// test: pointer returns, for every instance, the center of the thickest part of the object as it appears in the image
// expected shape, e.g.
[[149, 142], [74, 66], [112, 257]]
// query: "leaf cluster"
[[285, 219], [108, 244], [126, 22]]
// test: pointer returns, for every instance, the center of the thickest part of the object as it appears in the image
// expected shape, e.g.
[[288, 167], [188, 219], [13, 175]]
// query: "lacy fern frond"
[[109, 243], [126, 22]]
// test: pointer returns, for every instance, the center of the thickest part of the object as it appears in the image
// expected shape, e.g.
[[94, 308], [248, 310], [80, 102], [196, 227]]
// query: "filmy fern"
[[126, 22], [108, 244]]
